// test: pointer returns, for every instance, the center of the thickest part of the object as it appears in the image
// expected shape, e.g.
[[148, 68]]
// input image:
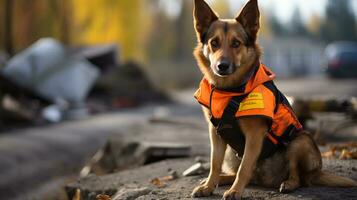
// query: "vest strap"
[[227, 127]]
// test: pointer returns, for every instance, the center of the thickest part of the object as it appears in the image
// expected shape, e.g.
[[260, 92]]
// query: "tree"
[[8, 45], [108, 21], [313, 26], [297, 27], [340, 22], [276, 26], [185, 35]]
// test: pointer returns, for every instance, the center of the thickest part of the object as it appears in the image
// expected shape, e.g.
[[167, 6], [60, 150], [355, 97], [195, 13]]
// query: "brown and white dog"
[[227, 50]]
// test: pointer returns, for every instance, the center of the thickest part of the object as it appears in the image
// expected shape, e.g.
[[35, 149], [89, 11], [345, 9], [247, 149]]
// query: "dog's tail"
[[331, 180]]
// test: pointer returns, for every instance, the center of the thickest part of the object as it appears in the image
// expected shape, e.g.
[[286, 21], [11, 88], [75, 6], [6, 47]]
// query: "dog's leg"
[[254, 130], [218, 148], [293, 181], [304, 160]]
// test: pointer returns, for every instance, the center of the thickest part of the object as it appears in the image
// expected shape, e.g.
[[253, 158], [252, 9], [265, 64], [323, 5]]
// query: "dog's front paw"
[[288, 186], [202, 191], [232, 195]]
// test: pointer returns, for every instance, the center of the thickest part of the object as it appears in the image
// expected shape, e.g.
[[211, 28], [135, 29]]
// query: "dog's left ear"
[[203, 17], [249, 18]]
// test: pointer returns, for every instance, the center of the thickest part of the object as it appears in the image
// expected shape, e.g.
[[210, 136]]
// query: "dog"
[[238, 95]]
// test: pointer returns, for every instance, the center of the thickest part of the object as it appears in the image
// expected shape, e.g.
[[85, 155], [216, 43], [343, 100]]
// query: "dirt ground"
[[192, 131], [181, 187]]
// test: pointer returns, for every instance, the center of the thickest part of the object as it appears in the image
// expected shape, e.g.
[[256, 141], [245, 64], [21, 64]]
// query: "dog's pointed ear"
[[203, 17], [249, 18]]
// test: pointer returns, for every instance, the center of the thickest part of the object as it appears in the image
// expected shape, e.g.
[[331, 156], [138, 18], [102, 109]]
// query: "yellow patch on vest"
[[253, 101]]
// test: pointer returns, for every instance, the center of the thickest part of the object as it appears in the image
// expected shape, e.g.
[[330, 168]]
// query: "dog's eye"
[[235, 44], [214, 43]]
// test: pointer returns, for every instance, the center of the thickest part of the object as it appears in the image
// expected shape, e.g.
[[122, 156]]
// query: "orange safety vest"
[[258, 97]]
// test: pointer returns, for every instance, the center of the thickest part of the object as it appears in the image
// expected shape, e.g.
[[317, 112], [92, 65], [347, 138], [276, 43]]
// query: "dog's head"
[[227, 48]]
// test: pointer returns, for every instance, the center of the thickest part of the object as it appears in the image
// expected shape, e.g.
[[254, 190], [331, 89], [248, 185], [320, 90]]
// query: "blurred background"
[[101, 66], [158, 34]]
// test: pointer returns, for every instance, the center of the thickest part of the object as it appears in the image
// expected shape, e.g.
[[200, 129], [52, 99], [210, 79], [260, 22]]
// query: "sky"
[[283, 9]]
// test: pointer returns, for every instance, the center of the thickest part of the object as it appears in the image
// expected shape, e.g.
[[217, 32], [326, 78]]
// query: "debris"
[[173, 173], [19, 106], [161, 182], [46, 68], [103, 197], [130, 193], [102, 56], [126, 86], [87, 169], [157, 182], [196, 169], [347, 154], [304, 107], [119, 154], [124, 102], [328, 154], [77, 195], [3, 58], [341, 151], [77, 111], [9, 106], [54, 113]]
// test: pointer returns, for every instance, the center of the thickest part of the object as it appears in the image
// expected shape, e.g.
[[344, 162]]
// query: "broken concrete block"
[[119, 154]]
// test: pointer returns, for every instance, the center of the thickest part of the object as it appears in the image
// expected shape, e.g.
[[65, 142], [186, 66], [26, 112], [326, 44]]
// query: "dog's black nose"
[[223, 66]]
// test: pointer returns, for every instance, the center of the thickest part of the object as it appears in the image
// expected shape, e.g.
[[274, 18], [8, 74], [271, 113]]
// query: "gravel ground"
[[192, 131], [181, 187]]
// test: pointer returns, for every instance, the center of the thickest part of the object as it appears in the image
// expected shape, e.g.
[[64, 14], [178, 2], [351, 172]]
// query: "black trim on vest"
[[271, 86], [279, 96], [228, 128]]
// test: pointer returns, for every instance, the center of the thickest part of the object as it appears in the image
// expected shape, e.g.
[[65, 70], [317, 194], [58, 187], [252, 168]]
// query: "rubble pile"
[[49, 83]]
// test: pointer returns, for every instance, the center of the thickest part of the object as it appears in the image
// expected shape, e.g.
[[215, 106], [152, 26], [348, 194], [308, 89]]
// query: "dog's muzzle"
[[224, 67]]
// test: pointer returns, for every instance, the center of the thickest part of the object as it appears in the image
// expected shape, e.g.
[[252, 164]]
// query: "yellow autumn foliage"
[[107, 21]]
